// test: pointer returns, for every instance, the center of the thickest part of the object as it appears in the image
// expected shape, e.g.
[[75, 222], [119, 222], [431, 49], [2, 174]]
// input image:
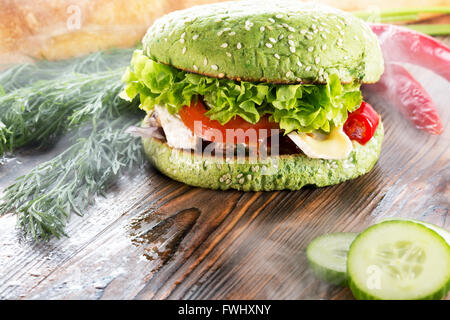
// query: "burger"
[[257, 95]]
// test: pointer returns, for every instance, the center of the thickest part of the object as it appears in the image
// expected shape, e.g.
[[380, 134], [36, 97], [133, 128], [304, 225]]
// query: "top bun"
[[267, 41]]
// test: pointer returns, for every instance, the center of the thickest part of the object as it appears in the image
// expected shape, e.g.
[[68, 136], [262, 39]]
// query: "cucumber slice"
[[327, 256], [399, 260], [441, 231]]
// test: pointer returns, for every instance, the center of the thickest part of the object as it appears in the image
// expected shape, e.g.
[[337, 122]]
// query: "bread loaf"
[[57, 29]]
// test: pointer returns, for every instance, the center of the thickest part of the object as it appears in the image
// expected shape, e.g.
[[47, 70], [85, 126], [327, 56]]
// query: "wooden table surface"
[[154, 238]]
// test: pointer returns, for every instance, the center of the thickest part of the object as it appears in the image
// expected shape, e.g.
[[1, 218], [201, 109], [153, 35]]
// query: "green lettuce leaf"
[[301, 107]]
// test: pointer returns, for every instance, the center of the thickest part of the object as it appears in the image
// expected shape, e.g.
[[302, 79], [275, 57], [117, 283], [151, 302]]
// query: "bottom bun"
[[273, 173]]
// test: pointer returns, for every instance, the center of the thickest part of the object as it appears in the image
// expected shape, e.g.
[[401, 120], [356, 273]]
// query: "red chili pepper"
[[400, 88], [362, 123], [405, 45]]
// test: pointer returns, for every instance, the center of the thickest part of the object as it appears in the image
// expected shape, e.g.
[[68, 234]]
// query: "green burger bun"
[[267, 41]]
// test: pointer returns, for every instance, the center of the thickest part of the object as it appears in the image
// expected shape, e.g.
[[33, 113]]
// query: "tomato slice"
[[238, 130], [362, 123]]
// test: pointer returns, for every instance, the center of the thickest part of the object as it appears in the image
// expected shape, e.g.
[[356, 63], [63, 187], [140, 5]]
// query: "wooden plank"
[[153, 238]]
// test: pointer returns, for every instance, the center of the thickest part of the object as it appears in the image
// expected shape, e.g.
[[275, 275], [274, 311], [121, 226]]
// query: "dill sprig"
[[23, 75], [42, 111], [39, 99], [78, 97], [44, 198]]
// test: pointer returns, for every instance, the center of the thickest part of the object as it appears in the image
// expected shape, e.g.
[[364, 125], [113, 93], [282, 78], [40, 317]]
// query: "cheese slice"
[[177, 134], [334, 146]]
